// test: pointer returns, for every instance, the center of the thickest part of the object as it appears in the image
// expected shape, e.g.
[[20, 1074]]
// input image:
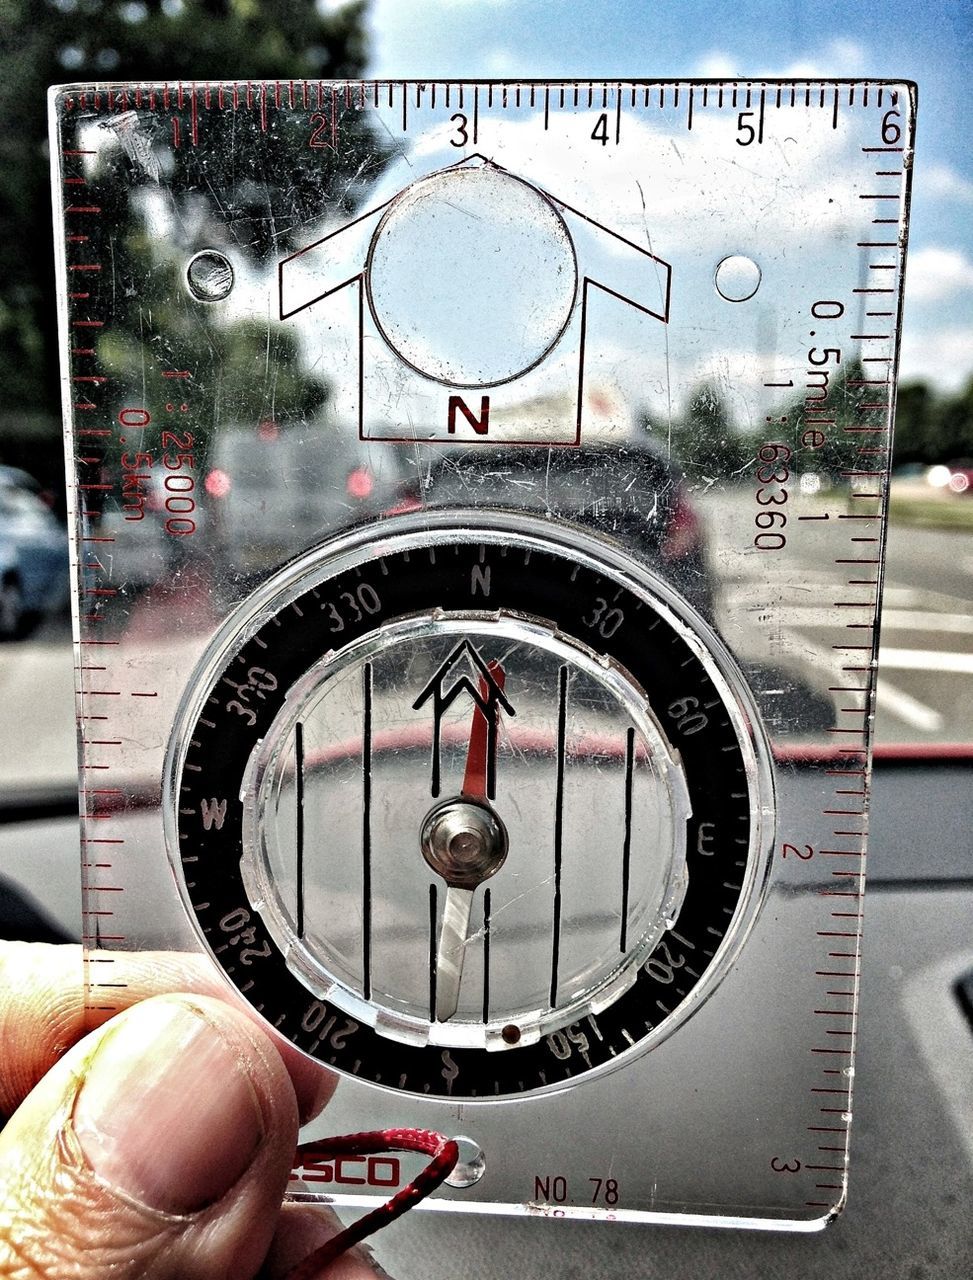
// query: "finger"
[[42, 1003], [43, 1010], [301, 1229], [159, 1147]]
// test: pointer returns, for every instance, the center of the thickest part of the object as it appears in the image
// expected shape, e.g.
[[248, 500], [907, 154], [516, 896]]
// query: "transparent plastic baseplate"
[[478, 509]]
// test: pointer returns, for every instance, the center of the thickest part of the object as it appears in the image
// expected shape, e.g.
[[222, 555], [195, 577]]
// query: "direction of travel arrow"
[[487, 695]]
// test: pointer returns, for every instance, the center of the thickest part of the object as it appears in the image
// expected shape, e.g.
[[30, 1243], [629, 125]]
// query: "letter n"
[[480, 425]]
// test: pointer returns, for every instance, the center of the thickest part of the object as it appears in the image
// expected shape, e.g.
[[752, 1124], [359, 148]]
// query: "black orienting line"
[[432, 952], [562, 706], [299, 834], [486, 955], [627, 846], [366, 834]]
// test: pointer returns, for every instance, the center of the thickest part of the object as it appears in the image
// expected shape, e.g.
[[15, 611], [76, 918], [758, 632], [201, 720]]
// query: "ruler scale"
[[376, 390]]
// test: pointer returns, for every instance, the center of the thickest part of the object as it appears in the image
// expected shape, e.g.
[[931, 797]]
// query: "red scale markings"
[[95, 594]]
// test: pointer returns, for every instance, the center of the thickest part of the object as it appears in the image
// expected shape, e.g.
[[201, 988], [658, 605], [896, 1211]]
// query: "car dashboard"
[[911, 1171]]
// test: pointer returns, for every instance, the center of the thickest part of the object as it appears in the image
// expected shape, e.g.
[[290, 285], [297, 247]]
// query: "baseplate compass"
[[478, 497]]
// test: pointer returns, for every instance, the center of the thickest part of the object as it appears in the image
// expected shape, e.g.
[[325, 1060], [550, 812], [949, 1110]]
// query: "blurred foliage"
[[705, 439], [929, 428], [826, 428], [45, 42]]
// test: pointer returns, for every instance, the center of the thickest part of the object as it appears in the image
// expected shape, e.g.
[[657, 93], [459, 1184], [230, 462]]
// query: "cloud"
[[446, 38], [941, 356], [702, 175], [935, 273], [716, 65], [501, 63], [942, 181], [839, 57]]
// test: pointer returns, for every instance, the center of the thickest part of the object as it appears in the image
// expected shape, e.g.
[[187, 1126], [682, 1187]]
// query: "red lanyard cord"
[[442, 1150]]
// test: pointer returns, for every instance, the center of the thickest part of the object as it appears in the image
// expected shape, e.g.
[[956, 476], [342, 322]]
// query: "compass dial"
[[469, 809]]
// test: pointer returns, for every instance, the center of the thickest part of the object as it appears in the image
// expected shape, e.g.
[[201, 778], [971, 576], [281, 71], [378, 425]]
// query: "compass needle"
[[478, 780], [464, 840], [451, 952]]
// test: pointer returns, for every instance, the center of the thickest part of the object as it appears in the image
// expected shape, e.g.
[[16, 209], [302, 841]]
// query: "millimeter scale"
[[478, 496]]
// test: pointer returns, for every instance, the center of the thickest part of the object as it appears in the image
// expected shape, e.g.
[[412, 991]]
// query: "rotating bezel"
[[671, 652]]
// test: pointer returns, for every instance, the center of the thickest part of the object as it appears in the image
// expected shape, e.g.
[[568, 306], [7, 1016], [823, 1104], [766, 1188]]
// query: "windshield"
[[926, 653]]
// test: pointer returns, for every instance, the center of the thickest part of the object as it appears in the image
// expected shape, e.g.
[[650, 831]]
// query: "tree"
[[705, 439], [97, 40], [913, 421], [931, 428], [831, 414], [953, 419]]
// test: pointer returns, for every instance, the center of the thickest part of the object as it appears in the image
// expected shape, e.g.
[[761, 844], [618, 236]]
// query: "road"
[[927, 631], [925, 691], [926, 656], [923, 558]]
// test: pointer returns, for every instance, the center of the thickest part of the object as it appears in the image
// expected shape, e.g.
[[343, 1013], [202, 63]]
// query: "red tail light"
[[685, 531], [360, 483], [217, 484]]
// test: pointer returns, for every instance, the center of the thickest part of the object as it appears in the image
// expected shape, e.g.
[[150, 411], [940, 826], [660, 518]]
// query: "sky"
[[931, 43]]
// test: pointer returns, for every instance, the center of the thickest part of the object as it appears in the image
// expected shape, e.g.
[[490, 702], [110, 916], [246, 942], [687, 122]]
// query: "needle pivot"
[[464, 842]]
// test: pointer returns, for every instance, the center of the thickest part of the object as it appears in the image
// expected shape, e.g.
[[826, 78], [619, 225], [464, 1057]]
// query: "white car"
[[33, 555]]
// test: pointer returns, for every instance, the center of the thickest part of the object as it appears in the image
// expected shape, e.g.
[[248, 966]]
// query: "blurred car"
[[956, 476], [961, 476], [263, 494], [629, 492], [142, 552], [33, 555], [274, 491]]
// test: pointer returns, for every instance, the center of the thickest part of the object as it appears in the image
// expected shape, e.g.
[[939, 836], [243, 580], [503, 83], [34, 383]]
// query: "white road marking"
[[888, 697], [902, 597], [908, 609], [941, 601], [903, 706], [908, 620], [895, 619], [926, 660]]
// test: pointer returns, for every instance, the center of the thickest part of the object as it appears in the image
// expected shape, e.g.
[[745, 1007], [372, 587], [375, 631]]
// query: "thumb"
[[160, 1146]]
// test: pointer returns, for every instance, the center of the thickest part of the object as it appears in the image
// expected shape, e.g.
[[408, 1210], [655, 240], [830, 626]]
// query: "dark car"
[[33, 554], [628, 492]]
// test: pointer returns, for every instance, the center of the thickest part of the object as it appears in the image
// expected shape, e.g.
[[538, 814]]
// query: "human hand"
[[157, 1145]]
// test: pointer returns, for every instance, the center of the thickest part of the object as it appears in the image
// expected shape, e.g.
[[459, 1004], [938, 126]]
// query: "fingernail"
[[167, 1113], [368, 1256]]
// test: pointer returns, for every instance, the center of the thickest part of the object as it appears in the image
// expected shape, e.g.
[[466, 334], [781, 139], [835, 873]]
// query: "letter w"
[[214, 812]]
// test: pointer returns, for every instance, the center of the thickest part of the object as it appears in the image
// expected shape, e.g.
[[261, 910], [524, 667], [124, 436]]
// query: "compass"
[[478, 496], [464, 793]]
